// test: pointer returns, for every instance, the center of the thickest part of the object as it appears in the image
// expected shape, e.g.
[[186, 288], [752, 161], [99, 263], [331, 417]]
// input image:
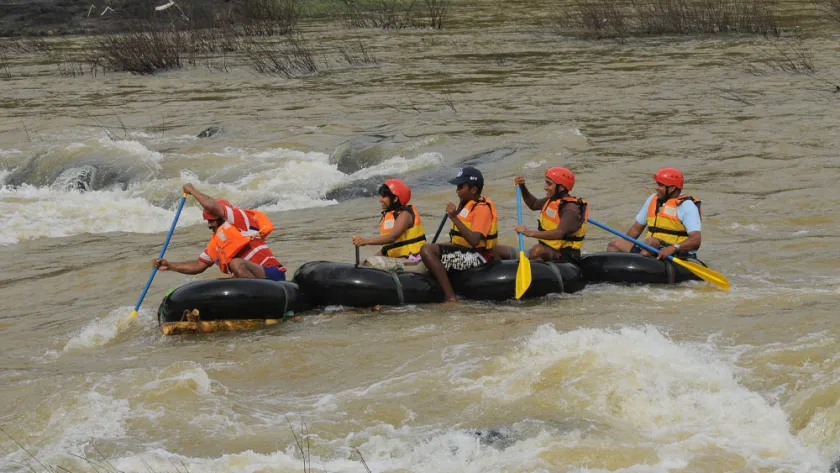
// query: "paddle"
[[162, 251], [440, 227], [523, 272], [357, 256], [704, 273]]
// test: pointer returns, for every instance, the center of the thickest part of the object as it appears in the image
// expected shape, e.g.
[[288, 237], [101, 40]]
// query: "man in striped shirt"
[[238, 245]]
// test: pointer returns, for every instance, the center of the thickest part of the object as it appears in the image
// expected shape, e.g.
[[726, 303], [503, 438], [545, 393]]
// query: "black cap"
[[468, 174]]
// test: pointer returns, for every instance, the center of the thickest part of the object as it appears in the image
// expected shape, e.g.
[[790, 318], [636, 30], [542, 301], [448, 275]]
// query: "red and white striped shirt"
[[256, 251]]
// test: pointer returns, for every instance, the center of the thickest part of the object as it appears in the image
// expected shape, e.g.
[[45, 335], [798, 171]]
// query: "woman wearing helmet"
[[562, 223], [401, 231], [672, 218]]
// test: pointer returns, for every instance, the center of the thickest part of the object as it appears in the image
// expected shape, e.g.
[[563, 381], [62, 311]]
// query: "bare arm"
[[472, 237], [530, 200], [183, 267], [205, 201], [400, 226], [690, 244], [636, 230]]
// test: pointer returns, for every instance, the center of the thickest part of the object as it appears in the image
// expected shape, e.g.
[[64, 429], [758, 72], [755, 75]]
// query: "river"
[[612, 378]]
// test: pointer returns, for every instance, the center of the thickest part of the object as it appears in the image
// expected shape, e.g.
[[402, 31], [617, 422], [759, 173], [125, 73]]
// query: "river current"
[[631, 379]]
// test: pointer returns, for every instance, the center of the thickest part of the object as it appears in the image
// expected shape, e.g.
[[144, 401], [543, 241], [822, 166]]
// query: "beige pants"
[[397, 265]]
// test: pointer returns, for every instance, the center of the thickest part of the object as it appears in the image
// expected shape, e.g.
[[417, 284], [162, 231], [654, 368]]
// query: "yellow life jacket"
[[467, 216], [550, 220], [665, 224], [412, 239]]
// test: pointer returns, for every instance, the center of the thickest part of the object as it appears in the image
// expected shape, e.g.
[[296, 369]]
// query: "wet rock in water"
[[366, 151], [80, 176], [420, 179], [496, 438], [207, 133], [440, 176], [356, 189], [835, 467]]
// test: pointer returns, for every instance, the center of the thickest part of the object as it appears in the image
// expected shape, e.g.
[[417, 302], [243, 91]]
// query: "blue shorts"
[[275, 273]]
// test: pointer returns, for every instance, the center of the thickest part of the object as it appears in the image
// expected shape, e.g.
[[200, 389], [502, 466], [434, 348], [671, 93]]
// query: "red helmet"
[[224, 203], [562, 176], [399, 189], [670, 177]]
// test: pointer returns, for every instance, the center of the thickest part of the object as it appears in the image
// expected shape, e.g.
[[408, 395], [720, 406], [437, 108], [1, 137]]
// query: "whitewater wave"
[[89, 196]]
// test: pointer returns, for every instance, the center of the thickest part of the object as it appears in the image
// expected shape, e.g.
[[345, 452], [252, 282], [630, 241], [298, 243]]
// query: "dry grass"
[[391, 14], [142, 51], [26, 45], [267, 17], [621, 19], [290, 58], [437, 11], [357, 54], [831, 8], [783, 55], [4, 65]]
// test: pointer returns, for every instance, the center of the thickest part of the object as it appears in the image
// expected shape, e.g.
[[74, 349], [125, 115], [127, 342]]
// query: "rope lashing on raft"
[[397, 286]]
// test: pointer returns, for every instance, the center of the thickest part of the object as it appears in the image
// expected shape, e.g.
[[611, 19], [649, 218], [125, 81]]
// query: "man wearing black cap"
[[473, 236]]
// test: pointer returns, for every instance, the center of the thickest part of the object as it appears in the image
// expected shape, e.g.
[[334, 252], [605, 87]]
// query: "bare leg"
[[543, 252], [501, 252], [246, 269], [620, 244], [651, 242], [431, 258]]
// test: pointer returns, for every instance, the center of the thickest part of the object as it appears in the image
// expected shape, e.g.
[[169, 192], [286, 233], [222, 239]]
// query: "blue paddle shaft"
[[626, 237], [162, 251], [519, 217]]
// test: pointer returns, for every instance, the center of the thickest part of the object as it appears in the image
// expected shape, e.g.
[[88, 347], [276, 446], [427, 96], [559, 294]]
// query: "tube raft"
[[324, 283], [496, 281], [632, 268], [215, 305]]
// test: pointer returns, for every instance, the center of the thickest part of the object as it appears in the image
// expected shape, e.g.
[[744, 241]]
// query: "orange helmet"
[[670, 177], [224, 203], [562, 176], [399, 189]]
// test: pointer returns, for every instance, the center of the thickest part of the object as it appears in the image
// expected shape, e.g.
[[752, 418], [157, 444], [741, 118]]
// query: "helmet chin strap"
[[669, 194]]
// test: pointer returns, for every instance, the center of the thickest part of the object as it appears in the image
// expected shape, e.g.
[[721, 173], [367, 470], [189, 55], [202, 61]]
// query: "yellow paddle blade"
[[709, 275], [523, 275], [133, 314]]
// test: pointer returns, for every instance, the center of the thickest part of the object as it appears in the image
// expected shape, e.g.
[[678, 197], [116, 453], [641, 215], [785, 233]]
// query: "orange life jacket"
[[257, 221], [467, 216], [229, 242]]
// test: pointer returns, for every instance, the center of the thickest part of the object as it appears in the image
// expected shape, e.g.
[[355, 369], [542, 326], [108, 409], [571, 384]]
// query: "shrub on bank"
[[142, 51]]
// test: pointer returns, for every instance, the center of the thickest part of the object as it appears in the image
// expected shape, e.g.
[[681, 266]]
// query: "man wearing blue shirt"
[[672, 218]]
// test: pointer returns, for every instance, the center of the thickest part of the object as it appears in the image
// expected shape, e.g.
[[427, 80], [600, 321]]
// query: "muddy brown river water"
[[612, 378]]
